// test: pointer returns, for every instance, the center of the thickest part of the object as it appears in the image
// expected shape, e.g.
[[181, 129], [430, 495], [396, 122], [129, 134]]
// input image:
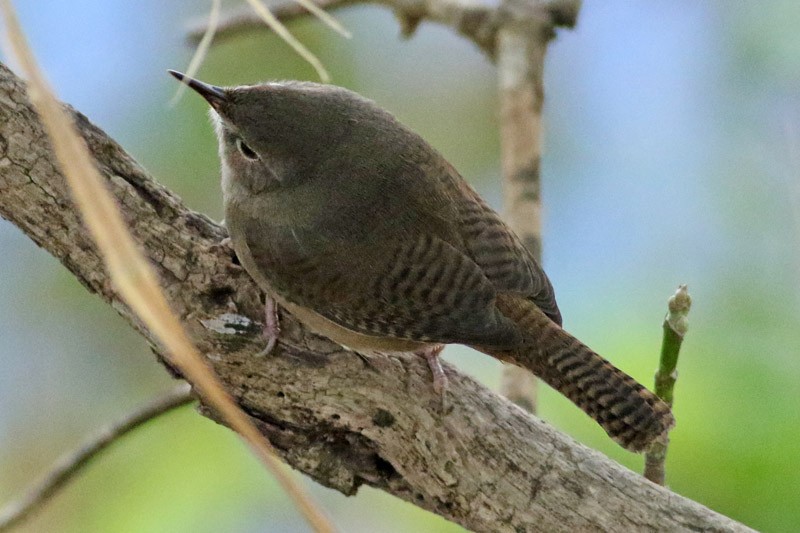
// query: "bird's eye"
[[246, 151]]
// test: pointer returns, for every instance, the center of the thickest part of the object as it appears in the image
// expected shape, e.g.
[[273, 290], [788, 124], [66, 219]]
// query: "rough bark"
[[345, 422]]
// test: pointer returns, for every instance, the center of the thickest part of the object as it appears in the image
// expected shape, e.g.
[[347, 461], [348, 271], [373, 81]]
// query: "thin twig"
[[72, 463], [262, 15], [277, 26], [242, 19], [326, 18], [132, 274], [676, 324]]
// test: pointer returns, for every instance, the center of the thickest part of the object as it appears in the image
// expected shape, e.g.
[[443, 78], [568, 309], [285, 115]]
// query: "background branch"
[[521, 48], [477, 21], [486, 465], [69, 465]]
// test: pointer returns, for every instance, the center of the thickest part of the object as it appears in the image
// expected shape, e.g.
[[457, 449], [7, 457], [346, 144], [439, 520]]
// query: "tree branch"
[[474, 19], [485, 464]]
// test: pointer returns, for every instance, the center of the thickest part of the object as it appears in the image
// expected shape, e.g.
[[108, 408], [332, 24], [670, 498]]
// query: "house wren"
[[359, 228]]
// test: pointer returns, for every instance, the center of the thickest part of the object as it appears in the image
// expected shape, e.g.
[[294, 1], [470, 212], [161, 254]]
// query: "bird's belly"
[[348, 338]]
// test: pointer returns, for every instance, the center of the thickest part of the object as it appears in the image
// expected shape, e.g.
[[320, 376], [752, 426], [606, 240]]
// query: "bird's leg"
[[272, 325], [431, 354]]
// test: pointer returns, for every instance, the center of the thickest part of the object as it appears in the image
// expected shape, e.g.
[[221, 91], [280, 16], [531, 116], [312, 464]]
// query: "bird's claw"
[[272, 327], [431, 355]]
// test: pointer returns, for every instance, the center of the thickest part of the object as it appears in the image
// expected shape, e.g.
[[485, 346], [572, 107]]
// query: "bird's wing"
[[499, 253], [423, 259], [418, 287]]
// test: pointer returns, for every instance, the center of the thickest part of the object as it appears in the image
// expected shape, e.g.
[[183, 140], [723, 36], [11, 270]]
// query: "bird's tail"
[[631, 415]]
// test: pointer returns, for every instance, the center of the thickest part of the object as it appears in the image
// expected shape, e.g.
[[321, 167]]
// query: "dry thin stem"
[[242, 19], [130, 271], [202, 49], [278, 27], [69, 465], [210, 29], [326, 18]]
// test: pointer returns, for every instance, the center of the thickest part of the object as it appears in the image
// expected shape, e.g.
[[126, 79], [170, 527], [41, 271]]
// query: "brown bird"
[[364, 232]]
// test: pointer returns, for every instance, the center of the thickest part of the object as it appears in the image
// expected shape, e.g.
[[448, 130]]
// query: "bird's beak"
[[215, 96]]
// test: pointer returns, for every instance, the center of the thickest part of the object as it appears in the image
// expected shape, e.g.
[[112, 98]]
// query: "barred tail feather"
[[631, 415]]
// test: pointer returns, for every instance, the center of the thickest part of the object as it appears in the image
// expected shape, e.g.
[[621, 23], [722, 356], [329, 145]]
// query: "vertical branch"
[[521, 45], [520, 66]]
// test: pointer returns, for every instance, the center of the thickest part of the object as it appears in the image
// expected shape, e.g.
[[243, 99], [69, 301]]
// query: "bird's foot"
[[224, 247], [431, 354], [272, 326]]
